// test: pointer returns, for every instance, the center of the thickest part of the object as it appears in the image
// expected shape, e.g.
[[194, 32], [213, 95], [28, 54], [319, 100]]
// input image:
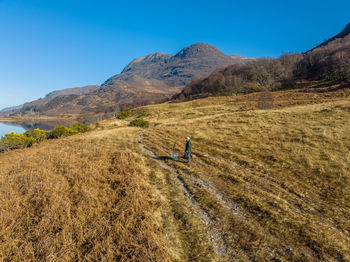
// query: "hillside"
[[73, 91], [344, 33], [10, 110], [264, 185], [191, 62], [146, 80], [329, 61]]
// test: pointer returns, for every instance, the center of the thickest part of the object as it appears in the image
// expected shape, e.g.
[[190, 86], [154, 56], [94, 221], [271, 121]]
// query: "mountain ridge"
[[344, 33], [73, 91], [7, 111], [145, 80], [193, 61]]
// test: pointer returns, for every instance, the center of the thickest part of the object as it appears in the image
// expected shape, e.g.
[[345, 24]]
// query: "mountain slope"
[[330, 61], [146, 80], [10, 110], [191, 62], [73, 91], [342, 34]]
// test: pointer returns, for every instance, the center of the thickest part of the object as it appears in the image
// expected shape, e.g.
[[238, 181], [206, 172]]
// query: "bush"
[[124, 114], [80, 128], [139, 123], [62, 131], [3, 147], [16, 141], [37, 134]]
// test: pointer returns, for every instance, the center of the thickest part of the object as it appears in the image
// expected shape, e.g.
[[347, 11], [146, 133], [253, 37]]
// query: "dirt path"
[[216, 237]]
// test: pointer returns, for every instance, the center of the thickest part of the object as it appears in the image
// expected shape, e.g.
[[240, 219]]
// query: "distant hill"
[[10, 110], [150, 79], [73, 91]]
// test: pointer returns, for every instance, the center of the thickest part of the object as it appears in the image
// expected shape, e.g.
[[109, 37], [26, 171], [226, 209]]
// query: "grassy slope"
[[91, 197], [96, 195], [288, 168]]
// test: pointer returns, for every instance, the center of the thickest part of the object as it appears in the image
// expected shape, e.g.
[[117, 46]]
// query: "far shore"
[[37, 118]]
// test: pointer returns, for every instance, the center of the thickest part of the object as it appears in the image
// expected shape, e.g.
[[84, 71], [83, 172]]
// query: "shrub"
[[3, 147], [37, 134], [124, 114], [97, 124], [143, 113], [139, 123], [31, 108], [16, 141], [80, 128], [62, 131]]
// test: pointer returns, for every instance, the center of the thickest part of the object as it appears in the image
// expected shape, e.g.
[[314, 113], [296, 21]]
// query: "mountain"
[[150, 79], [341, 35], [10, 110], [73, 91], [329, 61], [191, 62]]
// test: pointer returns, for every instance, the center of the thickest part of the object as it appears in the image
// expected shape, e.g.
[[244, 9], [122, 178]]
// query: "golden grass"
[[288, 168], [93, 197], [96, 196], [76, 199]]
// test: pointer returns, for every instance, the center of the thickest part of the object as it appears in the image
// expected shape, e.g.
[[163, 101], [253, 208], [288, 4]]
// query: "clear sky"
[[47, 45]]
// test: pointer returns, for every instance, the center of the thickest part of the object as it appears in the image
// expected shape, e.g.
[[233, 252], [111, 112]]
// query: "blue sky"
[[49, 45]]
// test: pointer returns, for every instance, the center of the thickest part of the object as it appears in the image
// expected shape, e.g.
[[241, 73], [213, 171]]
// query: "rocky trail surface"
[[216, 236]]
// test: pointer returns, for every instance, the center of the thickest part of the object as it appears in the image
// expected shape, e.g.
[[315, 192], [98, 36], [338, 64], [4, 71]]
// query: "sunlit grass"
[[97, 196], [288, 167]]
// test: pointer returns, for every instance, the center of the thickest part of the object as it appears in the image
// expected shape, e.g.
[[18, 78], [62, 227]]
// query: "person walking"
[[188, 150]]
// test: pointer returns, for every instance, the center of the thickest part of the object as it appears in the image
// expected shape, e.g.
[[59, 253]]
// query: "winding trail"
[[217, 237]]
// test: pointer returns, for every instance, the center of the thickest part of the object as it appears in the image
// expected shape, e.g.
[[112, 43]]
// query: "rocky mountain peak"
[[200, 50]]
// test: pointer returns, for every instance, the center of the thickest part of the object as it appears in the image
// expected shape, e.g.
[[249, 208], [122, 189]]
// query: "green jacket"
[[188, 147]]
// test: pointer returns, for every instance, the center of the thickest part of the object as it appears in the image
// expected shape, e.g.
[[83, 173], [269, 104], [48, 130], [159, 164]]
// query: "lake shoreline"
[[40, 118], [22, 124]]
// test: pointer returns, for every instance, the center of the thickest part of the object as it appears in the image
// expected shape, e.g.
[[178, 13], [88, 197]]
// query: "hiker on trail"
[[188, 150]]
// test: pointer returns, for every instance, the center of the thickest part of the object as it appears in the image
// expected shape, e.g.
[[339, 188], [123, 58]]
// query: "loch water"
[[20, 127]]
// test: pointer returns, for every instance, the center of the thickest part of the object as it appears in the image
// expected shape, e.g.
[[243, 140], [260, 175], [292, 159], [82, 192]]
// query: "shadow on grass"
[[169, 158]]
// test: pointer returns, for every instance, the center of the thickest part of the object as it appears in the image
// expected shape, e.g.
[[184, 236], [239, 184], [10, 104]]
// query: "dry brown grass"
[[95, 196], [288, 168], [76, 199]]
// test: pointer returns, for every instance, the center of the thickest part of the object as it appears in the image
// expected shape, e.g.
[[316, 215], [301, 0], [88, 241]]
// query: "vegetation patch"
[[139, 123], [124, 114], [37, 134], [18, 141], [91, 206], [62, 131]]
